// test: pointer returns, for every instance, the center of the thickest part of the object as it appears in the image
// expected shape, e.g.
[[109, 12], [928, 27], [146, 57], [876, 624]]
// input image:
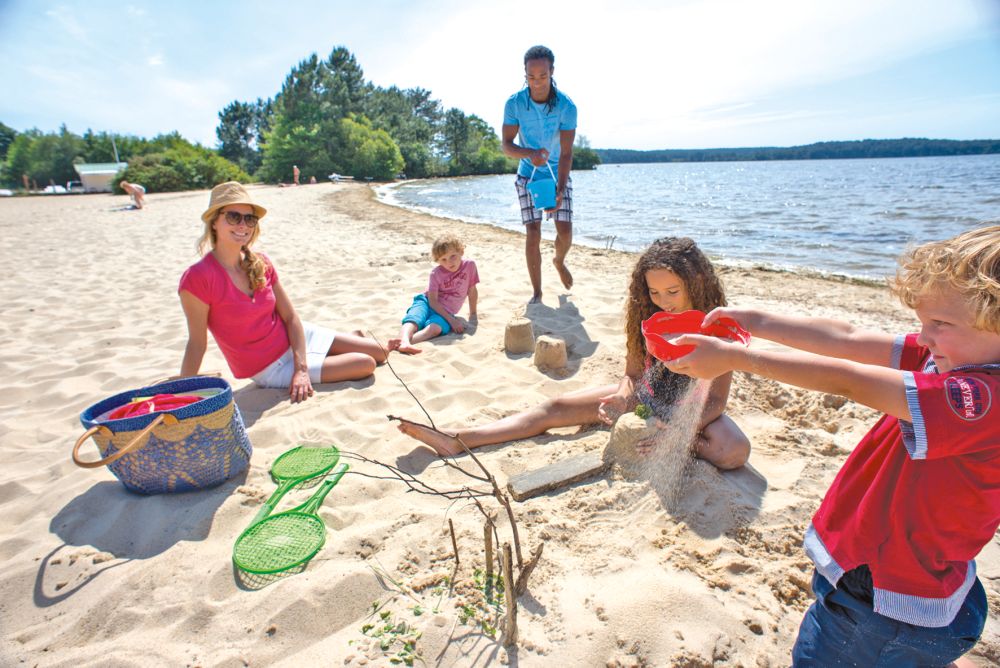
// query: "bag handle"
[[209, 374], [532, 177], [131, 446]]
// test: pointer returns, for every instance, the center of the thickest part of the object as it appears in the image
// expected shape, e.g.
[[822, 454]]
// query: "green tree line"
[[165, 163], [867, 148]]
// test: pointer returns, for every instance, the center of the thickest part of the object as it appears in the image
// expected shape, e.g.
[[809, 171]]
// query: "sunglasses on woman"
[[235, 218]]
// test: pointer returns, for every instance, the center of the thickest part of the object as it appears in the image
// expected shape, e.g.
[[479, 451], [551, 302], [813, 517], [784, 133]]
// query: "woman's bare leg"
[[351, 357], [352, 343], [574, 408]]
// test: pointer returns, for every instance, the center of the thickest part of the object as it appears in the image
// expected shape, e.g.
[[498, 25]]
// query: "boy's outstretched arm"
[[878, 387], [824, 336]]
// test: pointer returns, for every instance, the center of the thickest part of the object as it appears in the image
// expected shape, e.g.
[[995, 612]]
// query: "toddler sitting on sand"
[[433, 313]]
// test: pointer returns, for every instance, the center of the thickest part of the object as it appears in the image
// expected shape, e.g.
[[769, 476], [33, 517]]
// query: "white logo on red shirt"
[[968, 397]]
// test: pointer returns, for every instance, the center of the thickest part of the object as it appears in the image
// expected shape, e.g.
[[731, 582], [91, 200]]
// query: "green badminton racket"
[[295, 467], [287, 539]]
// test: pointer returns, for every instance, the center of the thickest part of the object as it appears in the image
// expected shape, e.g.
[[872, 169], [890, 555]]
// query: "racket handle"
[[316, 500], [269, 505]]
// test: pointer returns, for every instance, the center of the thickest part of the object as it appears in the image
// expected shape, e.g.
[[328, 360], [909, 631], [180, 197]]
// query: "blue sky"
[[644, 74]]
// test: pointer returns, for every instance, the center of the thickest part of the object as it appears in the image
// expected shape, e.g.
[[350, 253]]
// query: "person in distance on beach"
[[545, 119], [136, 193], [895, 538], [234, 292], [672, 275], [434, 313]]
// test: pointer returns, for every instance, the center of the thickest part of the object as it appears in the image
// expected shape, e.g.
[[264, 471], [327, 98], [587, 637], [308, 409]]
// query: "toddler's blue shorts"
[[421, 314]]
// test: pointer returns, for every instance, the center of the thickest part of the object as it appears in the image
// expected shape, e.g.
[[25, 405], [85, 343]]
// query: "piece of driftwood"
[[510, 599], [488, 540], [454, 543], [558, 474]]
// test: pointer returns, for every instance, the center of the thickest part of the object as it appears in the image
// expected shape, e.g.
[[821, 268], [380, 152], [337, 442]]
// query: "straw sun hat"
[[230, 192]]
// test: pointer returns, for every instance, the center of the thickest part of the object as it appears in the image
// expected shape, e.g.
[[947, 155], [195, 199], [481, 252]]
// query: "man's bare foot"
[[564, 275], [443, 444], [406, 348], [536, 298]]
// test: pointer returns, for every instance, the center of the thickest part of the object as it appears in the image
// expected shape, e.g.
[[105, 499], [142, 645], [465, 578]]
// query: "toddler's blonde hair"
[[968, 263], [444, 244]]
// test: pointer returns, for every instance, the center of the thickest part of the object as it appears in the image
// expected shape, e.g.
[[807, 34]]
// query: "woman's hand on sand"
[[301, 387], [540, 157], [711, 357], [457, 325], [611, 407]]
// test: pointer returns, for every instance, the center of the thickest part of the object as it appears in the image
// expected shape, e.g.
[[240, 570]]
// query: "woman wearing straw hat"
[[235, 293]]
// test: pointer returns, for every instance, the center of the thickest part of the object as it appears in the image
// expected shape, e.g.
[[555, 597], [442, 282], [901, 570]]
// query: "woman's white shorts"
[[279, 372]]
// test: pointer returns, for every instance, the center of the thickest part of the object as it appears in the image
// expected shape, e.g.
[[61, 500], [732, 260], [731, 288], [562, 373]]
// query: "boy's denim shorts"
[[421, 314], [840, 629]]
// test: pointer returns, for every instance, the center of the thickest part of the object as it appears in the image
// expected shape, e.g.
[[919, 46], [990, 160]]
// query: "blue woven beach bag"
[[192, 447]]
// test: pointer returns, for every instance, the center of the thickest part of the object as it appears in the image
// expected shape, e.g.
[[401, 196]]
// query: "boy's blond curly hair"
[[444, 244], [968, 263]]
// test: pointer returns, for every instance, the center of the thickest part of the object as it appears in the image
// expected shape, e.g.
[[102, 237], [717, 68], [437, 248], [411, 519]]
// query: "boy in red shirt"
[[895, 538]]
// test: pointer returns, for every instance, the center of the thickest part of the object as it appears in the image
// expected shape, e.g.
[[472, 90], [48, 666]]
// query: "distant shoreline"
[[384, 194], [830, 150]]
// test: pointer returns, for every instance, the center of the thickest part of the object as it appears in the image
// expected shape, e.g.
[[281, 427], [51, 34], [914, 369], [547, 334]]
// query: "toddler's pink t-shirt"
[[453, 287], [248, 330]]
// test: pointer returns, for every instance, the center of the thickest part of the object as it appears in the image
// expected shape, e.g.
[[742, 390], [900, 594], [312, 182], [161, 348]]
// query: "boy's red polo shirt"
[[916, 501]]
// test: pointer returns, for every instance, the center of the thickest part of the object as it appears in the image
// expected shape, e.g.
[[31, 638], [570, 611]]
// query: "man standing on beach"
[[545, 118]]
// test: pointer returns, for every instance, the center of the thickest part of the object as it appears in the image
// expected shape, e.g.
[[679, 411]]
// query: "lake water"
[[850, 217]]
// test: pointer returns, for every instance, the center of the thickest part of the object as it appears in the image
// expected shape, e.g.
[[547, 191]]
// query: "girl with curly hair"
[[672, 275]]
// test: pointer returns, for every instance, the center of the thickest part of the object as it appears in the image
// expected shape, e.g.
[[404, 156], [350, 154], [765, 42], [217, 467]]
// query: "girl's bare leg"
[[723, 443], [574, 408]]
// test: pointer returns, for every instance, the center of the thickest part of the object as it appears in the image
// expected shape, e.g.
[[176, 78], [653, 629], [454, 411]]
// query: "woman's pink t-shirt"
[[248, 330]]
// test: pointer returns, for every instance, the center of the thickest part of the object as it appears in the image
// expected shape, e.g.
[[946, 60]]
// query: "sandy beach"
[[710, 573]]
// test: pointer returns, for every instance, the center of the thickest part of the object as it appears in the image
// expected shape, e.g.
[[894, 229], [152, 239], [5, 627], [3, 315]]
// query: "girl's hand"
[[711, 357], [457, 325], [301, 387], [540, 157], [611, 407]]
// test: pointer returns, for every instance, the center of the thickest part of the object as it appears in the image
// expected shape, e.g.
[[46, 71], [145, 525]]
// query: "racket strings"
[[280, 542], [307, 461]]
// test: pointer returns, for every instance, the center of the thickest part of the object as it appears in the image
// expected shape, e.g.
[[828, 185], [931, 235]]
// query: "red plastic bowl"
[[687, 322]]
